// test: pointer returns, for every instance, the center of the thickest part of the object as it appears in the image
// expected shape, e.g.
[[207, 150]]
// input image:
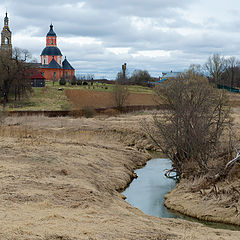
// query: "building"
[[52, 66], [37, 79], [168, 75], [6, 37]]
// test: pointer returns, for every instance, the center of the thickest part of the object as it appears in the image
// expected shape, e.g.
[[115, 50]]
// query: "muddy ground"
[[61, 179]]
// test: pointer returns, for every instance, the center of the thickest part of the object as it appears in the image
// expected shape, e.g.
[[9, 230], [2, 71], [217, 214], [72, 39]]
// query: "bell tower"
[[6, 36], [51, 38]]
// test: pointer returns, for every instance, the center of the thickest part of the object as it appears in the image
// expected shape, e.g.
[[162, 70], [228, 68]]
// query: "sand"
[[61, 178]]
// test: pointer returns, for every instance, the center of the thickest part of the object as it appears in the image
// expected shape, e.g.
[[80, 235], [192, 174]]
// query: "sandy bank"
[[218, 204], [60, 179]]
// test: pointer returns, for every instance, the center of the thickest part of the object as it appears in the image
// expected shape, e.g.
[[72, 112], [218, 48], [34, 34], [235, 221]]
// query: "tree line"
[[15, 72], [218, 69], [138, 77], [223, 70]]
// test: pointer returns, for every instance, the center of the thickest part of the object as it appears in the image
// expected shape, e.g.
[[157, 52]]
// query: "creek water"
[[147, 193]]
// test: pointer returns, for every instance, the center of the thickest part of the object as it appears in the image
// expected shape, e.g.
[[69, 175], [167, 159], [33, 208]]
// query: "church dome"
[[51, 33], [51, 51]]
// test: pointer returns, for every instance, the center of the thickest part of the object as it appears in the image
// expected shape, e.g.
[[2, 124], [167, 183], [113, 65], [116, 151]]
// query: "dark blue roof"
[[66, 65], [51, 51], [53, 64], [51, 33]]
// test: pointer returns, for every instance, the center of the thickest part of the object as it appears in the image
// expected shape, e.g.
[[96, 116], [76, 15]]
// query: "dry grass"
[[234, 99], [59, 180]]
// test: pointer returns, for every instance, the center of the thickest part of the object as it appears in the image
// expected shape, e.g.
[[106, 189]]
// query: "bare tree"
[[140, 77], [120, 95], [189, 131], [215, 67], [15, 74], [232, 64]]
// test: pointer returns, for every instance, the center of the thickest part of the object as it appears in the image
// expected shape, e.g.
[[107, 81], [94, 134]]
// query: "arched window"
[[54, 75], [6, 40], [52, 42]]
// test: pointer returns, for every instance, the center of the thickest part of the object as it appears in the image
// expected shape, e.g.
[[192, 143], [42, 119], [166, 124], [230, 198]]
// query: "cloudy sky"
[[98, 36]]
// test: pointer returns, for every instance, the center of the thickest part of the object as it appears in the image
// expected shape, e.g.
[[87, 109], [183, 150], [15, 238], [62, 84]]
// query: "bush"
[[74, 81], [89, 112], [79, 82], [111, 112], [140, 77], [190, 131], [62, 81], [120, 95]]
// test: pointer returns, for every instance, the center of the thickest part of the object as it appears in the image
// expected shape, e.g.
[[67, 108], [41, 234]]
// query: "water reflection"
[[148, 190]]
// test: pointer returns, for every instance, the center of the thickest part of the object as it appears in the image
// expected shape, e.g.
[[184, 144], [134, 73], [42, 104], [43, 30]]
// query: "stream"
[[147, 193]]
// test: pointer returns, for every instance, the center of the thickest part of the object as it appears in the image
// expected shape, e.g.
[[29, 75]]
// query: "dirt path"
[[60, 176]]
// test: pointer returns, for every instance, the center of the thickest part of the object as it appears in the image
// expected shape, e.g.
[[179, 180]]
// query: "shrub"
[[73, 81], [88, 112], [79, 82], [120, 95], [62, 81], [189, 132], [111, 112]]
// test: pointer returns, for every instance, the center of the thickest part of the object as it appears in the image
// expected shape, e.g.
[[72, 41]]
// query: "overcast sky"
[[98, 36]]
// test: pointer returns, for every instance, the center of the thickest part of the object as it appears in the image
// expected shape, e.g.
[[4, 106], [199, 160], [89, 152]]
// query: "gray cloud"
[[178, 32]]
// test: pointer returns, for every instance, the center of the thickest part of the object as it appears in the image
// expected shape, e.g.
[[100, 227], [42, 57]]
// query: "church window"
[[52, 42], [44, 61], [54, 75], [6, 40]]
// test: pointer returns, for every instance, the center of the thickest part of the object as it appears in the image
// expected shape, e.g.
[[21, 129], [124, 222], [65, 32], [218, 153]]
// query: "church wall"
[[69, 73], [49, 73]]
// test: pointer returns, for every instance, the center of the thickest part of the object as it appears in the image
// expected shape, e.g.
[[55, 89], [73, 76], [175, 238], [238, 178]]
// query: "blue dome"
[[51, 51], [51, 33]]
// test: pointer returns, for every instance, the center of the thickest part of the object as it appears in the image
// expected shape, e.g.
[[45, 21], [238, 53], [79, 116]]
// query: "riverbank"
[[61, 177], [218, 202]]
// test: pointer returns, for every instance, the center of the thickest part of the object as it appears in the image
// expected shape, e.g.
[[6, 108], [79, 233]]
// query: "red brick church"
[[52, 66]]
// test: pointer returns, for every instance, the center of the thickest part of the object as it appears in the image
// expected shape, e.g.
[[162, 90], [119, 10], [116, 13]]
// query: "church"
[[51, 67]]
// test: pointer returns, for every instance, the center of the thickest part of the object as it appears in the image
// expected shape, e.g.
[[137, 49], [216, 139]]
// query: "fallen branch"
[[233, 161], [222, 174]]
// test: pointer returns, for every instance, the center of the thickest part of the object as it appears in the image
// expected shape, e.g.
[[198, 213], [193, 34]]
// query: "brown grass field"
[[94, 99], [60, 179]]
